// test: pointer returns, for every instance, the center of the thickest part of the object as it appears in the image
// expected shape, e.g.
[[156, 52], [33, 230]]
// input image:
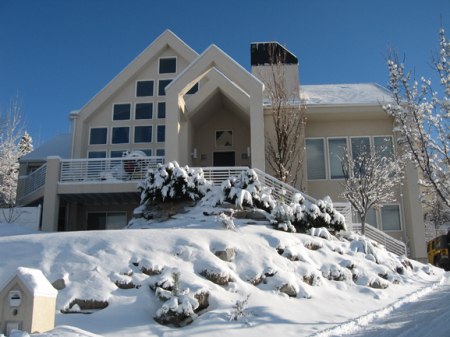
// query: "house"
[[203, 111]]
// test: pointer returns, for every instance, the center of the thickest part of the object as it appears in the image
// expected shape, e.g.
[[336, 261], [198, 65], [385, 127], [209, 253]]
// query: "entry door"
[[224, 158]]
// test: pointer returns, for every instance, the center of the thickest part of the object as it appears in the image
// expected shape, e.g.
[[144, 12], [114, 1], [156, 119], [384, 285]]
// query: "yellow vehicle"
[[438, 251]]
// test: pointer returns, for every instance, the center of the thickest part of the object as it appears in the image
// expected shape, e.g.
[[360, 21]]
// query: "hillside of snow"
[[296, 283]]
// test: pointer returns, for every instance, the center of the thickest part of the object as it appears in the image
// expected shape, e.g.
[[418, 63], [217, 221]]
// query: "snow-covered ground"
[[330, 278]]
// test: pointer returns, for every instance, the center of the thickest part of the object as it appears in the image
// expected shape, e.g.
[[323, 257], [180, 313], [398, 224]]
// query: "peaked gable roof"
[[34, 280], [168, 38]]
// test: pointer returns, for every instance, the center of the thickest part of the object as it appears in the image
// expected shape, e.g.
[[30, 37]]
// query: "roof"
[[57, 146], [35, 281], [346, 94]]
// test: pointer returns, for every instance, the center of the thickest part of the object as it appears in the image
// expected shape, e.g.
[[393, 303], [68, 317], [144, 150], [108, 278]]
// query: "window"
[[224, 138], [390, 218], [315, 159], [161, 134], [144, 88], [203, 157], [96, 154], [360, 145], [371, 218], [106, 220], [386, 143], [143, 134], [161, 110], [244, 156], [168, 65], [122, 112], [120, 135], [160, 152], [162, 84], [148, 152], [336, 149], [193, 90], [117, 154], [144, 111], [97, 136]]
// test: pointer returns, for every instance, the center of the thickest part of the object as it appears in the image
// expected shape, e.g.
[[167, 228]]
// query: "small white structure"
[[27, 302]]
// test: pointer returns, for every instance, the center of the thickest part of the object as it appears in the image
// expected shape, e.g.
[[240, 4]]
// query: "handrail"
[[218, 174], [34, 181]]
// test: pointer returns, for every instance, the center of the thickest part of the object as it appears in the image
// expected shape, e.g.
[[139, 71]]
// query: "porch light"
[[194, 154]]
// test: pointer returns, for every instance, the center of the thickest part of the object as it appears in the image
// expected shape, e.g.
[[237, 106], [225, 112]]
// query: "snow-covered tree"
[[422, 118], [438, 213], [285, 150], [14, 143], [370, 178]]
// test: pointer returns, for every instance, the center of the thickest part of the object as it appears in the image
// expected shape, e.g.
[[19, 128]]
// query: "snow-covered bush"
[[170, 182], [239, 308], [177, 305]]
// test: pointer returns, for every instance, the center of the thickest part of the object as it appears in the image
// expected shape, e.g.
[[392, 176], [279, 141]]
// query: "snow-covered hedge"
[[170, 182]]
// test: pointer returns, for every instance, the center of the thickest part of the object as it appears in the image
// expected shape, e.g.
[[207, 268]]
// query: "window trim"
[[144, 80], [157, 110], [144, 119], [325, 159], [97, 127], [134, 134], [163, 79], [120, 126], [167, 57], [329, 156], [121, 120], [156, 141], [399, 213]]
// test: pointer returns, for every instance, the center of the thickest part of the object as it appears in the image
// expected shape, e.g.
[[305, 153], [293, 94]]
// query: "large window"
[[117, 153], [161, 134], [106, 220], [336, 150], [315, 159], [168, 65], [162, 84], [122, 112], [161, 110], [144, 88], [144, 111], [98, 136], [160, 152], [360, 145], [120, 135], [385, 144], [96, 154], [224, 138], [143, 134]]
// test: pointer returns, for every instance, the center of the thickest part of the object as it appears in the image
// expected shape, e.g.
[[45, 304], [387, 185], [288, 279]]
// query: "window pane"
[[116, 220], [371, 218], [337, 148], [143, 134], [121, 135], [144, 111], [162, 85], [117, 154], [98, 136], [160, 152], [161, 137], [390, 218], [360, 145], [97, 154], [144, 88], [148, 152], [224, 138], [193, 90], [315, 159], [96, 221], [168, 65], [122, 112], [384, 142], [161, 110]]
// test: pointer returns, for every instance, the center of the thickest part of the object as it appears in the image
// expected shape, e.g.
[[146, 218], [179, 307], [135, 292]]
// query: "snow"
[[267, 261], [35, 282], [57, 146], [345, 94]]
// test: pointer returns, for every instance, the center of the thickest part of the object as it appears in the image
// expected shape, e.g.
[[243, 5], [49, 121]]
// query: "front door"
[[224, 158]]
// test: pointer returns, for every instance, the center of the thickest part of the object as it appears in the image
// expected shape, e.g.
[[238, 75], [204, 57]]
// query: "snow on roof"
[[57, 146], [35, 281], [346, 94]]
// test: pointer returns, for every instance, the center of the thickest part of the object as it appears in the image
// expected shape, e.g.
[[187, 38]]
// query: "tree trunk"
[[363, 224]]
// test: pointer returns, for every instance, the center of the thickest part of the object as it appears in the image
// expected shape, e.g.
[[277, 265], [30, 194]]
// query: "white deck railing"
[[218, 174], [392, 245], [107, 169], [35, 180]]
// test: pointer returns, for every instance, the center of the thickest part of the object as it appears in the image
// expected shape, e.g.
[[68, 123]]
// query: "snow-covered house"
[[201, 110]]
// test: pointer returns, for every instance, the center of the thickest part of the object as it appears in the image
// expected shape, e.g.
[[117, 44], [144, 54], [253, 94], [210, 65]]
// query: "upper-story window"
[[143, 134], [161, 110], [161, 134], [162, 84], [120, 135], [315, 159], [145, 88], [168, 65], [144, 111], [98, 136], [122, 112], [193, 90]]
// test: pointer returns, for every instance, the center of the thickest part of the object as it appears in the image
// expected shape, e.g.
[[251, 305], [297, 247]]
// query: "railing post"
[[51, 197]]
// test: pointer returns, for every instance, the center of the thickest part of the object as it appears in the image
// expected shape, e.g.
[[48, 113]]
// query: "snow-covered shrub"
[[227, 220], [239, 308], [177, 305], [170, 182]]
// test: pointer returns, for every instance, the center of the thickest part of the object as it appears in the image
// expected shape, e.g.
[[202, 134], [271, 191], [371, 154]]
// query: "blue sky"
[[59, 54]]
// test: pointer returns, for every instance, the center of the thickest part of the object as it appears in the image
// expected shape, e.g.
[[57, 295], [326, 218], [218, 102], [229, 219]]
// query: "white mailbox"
[[15, 298]]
